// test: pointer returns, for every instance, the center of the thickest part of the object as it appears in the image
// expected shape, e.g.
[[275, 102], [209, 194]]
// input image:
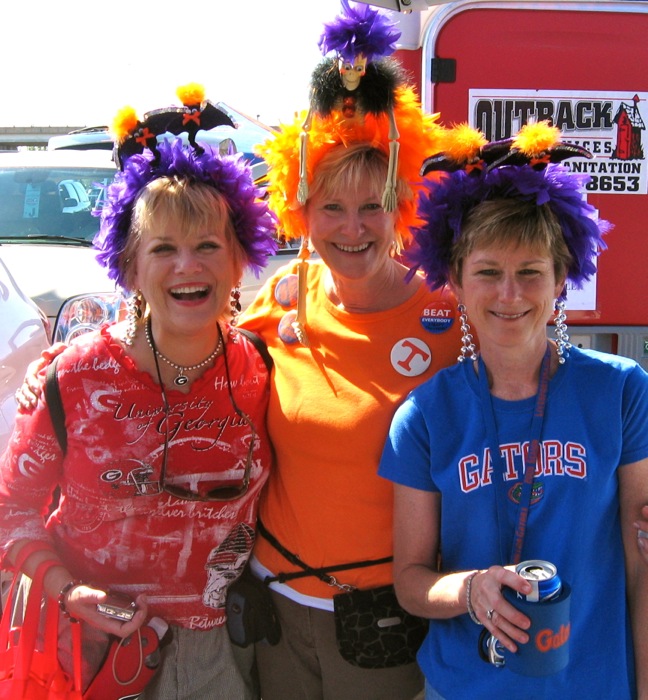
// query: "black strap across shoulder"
[[55, 405], [323, 573], [259, 344]]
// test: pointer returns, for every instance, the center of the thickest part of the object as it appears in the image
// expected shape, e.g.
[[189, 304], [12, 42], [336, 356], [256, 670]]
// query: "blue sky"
[[77, 64]]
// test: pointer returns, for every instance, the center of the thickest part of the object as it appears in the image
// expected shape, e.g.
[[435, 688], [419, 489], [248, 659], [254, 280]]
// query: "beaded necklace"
[[182, 378]]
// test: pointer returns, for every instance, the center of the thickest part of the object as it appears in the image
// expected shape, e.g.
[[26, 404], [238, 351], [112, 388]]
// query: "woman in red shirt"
[[167, 450]]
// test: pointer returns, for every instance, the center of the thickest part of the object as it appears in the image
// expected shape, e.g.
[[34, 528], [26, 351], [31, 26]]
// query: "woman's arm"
[[24, 497], [29, 392], [633, 493], [78, 600], [416, 549], [424, 591]]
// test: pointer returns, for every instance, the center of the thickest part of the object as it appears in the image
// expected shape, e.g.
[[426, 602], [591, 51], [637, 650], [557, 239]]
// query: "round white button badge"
[[410, 357]]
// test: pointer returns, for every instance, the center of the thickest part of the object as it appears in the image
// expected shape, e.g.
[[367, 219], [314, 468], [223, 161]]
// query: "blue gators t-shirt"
[[596, 420]]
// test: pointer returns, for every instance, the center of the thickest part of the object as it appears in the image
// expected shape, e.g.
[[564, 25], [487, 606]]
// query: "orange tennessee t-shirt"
[[330, 409]]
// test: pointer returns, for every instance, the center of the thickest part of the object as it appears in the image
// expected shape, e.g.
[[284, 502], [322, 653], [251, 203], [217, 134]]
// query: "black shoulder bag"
[[251, 614], [260, 346], [372, 629]]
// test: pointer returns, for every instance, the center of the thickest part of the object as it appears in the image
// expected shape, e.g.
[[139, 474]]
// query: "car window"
[[52, 201], [22, 337]]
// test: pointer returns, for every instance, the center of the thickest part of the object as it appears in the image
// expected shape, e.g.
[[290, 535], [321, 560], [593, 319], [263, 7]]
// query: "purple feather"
[[359, 29], [253, 222]]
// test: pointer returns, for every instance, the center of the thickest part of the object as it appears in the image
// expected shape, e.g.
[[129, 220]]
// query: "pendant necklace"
[[182, 378]]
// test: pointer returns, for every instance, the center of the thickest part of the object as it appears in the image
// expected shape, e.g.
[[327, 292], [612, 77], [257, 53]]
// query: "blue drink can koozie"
[[547, 650]]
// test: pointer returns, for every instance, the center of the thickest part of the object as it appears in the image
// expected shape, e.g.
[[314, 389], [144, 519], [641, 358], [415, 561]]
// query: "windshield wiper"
[[41, 237]]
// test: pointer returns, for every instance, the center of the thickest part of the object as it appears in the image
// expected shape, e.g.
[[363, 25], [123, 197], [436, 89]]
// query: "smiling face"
[[346, 222], [186, 258], [509, 295], [508, 269]]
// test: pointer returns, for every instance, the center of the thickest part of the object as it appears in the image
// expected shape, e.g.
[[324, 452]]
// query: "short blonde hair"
[[346, 167], [194, 206]]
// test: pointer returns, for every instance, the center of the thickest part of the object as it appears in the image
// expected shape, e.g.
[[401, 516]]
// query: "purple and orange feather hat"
[[525, 167], [142, 158]]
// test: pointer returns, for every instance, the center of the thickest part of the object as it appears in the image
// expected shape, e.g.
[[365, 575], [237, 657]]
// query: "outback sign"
[[610, 125]]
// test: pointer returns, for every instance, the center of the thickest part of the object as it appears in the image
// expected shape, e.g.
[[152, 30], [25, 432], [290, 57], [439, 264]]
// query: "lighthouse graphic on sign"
[[630, 126]]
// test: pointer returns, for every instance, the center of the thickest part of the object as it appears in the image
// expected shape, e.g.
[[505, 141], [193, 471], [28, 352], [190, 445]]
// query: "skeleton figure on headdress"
[[358, 79]]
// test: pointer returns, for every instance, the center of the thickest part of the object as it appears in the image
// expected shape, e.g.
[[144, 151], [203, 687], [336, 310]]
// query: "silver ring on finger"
[[490, 614]]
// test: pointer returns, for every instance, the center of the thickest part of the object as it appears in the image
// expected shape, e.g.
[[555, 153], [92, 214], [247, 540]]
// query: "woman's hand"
[[498, 616], [81, 603], [29, 392]]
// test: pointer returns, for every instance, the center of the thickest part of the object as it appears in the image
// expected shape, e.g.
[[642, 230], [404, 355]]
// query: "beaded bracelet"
[[471, 610], [61, 598]]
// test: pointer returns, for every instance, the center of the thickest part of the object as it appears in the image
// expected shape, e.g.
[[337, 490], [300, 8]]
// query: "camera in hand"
[[117, 606]]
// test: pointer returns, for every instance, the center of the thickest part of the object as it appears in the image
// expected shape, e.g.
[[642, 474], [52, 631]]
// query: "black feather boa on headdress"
[[375, 94]]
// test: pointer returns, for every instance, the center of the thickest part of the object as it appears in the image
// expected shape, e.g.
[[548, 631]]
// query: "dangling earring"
[[468, 350], [235, 303], [562, 337], [133, 316], [299, 324]]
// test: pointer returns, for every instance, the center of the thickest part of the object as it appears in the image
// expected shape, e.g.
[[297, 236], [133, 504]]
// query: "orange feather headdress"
[[419, 133]]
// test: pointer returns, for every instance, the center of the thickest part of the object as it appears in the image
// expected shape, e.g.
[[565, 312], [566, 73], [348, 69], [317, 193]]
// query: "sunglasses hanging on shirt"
[[220, 493]]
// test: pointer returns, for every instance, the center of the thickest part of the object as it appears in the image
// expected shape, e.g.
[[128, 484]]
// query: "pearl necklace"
[[182, 378]]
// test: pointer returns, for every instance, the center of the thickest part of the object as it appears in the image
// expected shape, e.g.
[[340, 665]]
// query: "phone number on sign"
[[614, 183], [614, 176]]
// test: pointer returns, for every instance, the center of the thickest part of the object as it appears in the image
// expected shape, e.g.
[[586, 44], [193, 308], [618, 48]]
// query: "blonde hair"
[[194, 206], [420, 133], [345, 168]]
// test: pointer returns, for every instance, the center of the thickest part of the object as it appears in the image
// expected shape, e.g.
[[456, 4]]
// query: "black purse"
[[371, 628], [251, 614]]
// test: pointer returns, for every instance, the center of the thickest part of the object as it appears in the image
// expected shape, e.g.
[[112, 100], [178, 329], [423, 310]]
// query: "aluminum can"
[[543, 576], [495, 651]]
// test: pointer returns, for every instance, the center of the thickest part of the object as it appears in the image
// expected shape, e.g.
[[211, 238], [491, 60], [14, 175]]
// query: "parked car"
[[49, 206], [88, 138], [244, 138], [23, 334], [47, 224]]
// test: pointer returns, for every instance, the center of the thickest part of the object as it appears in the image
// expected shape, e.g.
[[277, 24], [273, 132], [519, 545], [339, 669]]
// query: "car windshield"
[[60, 202]]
